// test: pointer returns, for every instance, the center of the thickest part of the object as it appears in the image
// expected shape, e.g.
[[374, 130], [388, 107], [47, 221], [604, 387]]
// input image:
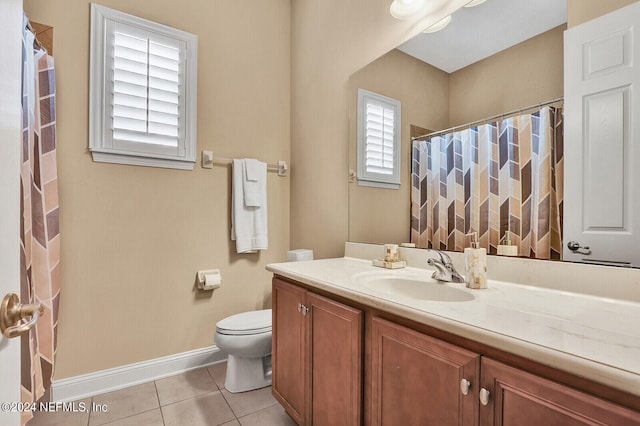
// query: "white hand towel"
[[254, 173], [248, 223]]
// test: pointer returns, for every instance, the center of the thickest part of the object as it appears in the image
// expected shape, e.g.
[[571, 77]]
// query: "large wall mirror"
[[498, 57]]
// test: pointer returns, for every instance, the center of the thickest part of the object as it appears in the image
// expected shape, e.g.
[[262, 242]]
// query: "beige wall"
[[523, 75], [330, 40], [423, 92], [134, 237], [580, 11]]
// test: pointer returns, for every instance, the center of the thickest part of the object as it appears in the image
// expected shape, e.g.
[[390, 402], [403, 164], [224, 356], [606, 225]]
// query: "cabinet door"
[[416, 379], [334, 336], [288, 355], [519, 398]]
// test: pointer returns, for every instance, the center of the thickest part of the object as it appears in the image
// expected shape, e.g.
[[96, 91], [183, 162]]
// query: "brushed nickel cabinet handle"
[[485, 396], [465, 385], [12, 312]]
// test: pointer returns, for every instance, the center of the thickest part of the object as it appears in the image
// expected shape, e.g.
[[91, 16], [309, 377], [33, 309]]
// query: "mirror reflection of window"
[[378, 140]]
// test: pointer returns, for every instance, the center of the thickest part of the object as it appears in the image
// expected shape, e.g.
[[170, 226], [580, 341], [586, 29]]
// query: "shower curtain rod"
[[35, 35], [487, 120]]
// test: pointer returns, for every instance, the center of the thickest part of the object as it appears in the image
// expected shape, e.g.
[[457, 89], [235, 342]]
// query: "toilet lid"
[[252, 322]]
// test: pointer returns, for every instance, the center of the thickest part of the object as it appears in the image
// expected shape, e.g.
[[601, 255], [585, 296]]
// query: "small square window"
[[142, 91], [378, 140]]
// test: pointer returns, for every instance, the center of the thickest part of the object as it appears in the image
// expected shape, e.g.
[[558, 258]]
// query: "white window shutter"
[[143, 91], [146, 89], [378, 140], [379, 131]]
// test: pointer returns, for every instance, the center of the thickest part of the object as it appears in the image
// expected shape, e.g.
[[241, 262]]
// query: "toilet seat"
[[246, 323]]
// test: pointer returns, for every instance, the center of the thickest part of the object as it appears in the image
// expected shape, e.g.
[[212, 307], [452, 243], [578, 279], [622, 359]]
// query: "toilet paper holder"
[[209, 279]]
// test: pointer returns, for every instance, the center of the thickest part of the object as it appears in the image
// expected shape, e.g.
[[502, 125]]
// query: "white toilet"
[[246, 338]]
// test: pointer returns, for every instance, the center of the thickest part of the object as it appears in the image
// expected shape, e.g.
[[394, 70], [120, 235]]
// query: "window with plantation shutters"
[[378, 140], [143, 97]]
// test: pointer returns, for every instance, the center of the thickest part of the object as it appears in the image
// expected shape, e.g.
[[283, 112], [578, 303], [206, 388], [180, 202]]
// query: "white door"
[[602, 145], [10, 123]]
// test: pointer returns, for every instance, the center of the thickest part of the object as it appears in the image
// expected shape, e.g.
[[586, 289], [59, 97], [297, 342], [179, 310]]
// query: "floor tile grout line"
[[256, 412], [220, 389], [89, 416], [275, 402], [211, 375], [190, 398], [203, 391], [159, 405], [228, 404], [133, 415]]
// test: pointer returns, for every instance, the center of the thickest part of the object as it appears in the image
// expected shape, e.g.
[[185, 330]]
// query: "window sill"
[[383, 185], [136, 160]]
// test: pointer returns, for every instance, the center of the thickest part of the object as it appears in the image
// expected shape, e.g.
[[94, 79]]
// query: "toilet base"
[[245, 374]]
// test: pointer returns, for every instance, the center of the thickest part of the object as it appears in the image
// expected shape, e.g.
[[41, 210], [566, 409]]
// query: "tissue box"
[[299, 254]]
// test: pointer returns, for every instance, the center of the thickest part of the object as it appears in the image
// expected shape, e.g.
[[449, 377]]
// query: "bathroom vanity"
[[355, 344]]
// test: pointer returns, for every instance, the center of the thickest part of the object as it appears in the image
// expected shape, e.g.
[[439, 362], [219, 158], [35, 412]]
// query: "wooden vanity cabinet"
[[413, 378], [419, 380], [512, 396], [316, 357]]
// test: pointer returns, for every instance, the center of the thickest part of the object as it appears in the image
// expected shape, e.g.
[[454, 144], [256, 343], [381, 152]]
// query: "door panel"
[[288, 334], [519, 398], [415, 379], [602, 157], [10, 121], [605, 116], [335, 350]]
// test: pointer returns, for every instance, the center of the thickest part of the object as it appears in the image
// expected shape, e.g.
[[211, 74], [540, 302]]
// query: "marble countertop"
[[589, 336]]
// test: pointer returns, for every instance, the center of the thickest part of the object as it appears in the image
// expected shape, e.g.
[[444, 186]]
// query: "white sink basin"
[[417, 288]]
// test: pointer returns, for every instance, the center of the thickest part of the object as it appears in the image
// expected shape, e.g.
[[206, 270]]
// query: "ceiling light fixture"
[[405, 9], [474, 3], [438, 25]]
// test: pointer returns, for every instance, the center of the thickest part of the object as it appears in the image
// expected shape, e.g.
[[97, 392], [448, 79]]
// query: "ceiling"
[[478, 32]]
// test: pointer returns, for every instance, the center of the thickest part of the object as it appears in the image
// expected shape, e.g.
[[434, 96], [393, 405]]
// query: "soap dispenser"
[[475, 262], [505, 248]]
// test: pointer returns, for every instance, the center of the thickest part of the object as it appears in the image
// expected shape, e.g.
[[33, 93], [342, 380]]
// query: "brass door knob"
[[12, 312]]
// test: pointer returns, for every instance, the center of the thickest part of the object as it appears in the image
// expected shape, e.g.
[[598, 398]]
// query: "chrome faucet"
[[445, 271]]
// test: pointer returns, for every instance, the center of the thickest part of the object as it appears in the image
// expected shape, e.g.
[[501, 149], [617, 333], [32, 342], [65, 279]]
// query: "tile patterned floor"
[[194, 398]]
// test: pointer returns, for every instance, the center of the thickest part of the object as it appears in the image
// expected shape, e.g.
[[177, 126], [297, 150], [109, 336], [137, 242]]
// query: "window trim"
[[372, 179], [99, 111]]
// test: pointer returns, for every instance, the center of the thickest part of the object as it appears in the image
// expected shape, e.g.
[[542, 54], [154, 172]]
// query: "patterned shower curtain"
[[40, 235], [490, 179]]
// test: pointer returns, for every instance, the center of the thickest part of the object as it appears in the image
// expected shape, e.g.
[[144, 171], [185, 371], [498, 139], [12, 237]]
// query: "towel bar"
[[208, 160]]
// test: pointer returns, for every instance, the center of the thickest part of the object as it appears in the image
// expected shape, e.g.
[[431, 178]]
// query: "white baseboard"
[[91, 384]]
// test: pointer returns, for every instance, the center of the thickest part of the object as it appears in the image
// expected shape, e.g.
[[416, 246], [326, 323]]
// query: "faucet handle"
[[444, 257]]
